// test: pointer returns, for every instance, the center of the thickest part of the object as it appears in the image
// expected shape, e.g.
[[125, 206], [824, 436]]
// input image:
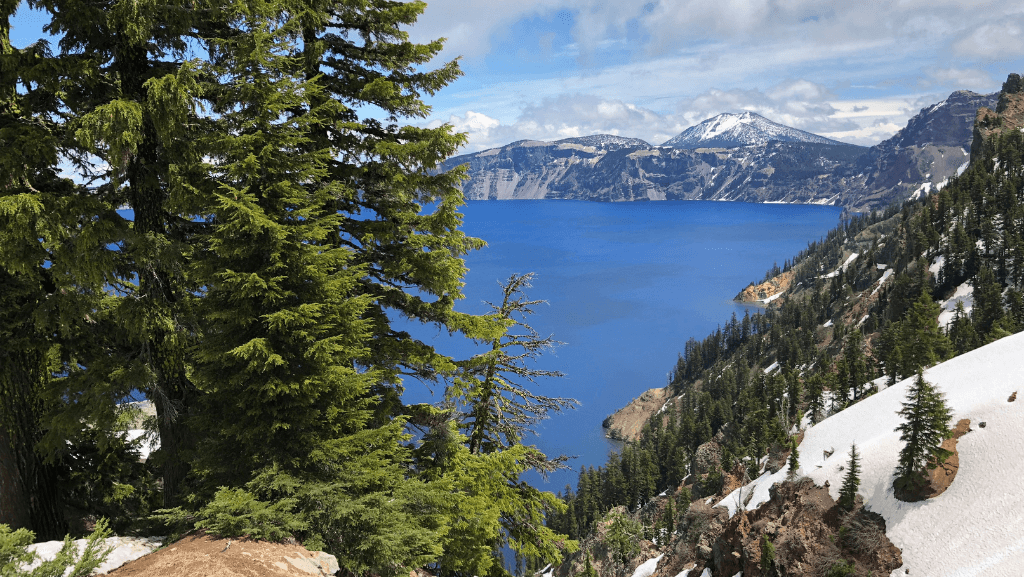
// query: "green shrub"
[[840, 568], [237, 513], [67, 563]]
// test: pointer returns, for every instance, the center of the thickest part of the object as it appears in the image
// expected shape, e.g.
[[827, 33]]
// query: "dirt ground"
[[204, 556]]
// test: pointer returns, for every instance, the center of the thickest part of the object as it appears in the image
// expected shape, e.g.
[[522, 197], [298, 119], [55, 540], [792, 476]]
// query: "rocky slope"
[[931, 148]]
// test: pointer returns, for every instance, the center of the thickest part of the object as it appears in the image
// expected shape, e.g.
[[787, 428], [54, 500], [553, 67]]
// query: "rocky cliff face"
[[918, 159]]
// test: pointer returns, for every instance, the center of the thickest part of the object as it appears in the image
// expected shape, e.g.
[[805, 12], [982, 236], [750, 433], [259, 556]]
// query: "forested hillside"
[[864, 302]]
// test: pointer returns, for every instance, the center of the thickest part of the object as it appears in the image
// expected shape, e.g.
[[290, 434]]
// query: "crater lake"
[[626, 285]]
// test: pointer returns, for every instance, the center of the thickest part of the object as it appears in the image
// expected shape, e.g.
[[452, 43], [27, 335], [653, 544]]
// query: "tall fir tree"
[[962, 336], [851, 481], [926, 425], [130, 99], [289, 415], [54, 263]]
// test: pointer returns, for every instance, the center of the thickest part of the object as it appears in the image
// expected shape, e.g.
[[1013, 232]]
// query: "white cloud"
[[797, 103], [994, 40], [978, 79]]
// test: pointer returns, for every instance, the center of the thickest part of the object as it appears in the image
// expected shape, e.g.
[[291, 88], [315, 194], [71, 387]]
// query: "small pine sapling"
[[794, 459]]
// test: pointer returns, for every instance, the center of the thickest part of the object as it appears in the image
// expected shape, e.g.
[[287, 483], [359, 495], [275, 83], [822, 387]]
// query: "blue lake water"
[[627, 284]]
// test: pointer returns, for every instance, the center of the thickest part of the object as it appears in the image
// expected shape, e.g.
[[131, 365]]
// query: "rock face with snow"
[[746, 129], [804, 523], [934, 146], [731, 159]]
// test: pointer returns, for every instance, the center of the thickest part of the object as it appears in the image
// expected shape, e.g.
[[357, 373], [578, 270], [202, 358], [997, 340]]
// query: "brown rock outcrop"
[[770, 287], [626, 423]]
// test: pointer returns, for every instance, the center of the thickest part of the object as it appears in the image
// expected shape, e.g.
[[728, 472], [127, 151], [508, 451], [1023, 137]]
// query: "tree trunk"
[[14, 510], [29, 488]]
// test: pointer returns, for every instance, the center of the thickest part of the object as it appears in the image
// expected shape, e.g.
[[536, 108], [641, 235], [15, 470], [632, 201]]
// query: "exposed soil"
[[1012, 398], [626, 423], [941, 477], [204, 556], [770, 287]]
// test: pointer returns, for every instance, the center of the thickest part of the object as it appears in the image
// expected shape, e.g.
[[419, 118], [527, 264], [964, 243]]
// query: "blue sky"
[[853, 71]]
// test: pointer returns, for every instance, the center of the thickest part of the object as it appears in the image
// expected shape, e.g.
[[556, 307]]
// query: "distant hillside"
[[931, 148], [881, 297], [747, 129]]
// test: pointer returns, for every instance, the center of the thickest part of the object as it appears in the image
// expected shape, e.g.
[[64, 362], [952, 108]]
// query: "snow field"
[[976, 527]]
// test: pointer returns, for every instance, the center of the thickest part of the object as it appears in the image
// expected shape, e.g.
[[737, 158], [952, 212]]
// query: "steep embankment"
[[973, 528]]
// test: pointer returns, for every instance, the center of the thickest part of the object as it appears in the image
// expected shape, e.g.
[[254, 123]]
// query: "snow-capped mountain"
[[788, 165], [746, 129]]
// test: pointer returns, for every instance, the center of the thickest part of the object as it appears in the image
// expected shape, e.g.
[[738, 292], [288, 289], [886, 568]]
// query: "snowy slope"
[[976, 527], [605, 141], [733, 130]]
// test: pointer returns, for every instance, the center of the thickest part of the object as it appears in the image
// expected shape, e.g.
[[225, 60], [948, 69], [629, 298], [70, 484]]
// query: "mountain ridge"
[[919, 158]]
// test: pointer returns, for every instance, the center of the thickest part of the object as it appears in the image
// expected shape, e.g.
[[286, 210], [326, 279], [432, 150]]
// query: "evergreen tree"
[[131, 100], [767, 564], [588, 568], [670, 517], [848, 492], [962, 336], [855, 364], [922, 342], [816, 397], [288, 413], [794, 458], [988, 303], [53, 258], [500, 410], [926, 425]]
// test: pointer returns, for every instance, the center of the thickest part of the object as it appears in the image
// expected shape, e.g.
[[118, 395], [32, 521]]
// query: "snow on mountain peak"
[[731, 130]]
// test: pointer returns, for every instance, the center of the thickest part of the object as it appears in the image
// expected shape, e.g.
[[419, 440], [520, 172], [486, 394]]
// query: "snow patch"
[[881, 281], [771, 298], [828, 323], [125, 549], [936, 265], [963, 294], [922, 190], [771, 367], [842, 267], [754, 494], [647, 568]]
